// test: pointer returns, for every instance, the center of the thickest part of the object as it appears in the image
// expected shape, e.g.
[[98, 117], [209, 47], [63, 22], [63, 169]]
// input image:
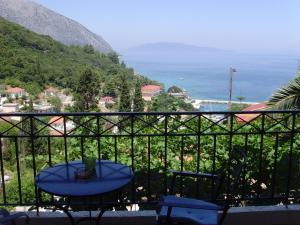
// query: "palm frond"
[[287, 97]]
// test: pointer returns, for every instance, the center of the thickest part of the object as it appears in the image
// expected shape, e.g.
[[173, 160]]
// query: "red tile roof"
[[244, 118], [56, 120], [255, 107], [51, 89], [151, 88], [107, 98], [14, 90], [56, 133], [5, 118]]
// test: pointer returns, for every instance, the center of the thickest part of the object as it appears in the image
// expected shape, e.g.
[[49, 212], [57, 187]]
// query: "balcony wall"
[[259, 215]]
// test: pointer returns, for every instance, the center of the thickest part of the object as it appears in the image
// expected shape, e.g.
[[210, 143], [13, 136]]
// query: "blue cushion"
[[190, 202], [185, 211]]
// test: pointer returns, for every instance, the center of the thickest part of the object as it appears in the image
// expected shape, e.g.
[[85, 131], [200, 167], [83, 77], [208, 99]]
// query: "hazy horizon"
[[245, 26]]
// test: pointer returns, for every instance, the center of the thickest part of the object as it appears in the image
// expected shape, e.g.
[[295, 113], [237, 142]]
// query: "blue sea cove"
[[206, 75]]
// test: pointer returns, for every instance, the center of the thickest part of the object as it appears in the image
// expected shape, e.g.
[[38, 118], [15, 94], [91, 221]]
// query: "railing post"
[[98, 139], [198, 151], [18, 170], [181, 163], [166, 153], [231, 115], [148, 169], [65, 140], [32, 138], [2, 172], [261, 147], [132, 155], [290, 160], [274, 172]]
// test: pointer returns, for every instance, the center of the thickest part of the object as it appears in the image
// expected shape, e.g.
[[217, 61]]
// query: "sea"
[[206, 75]]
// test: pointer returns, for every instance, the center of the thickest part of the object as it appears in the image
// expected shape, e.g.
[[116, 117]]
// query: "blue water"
[[213, 107], [206, 75]]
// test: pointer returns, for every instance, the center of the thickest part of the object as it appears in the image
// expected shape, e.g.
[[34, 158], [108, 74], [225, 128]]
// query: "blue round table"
[[60, 180]]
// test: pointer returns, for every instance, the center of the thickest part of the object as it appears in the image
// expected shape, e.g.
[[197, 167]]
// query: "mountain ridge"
[[33, 62], [42, 20]]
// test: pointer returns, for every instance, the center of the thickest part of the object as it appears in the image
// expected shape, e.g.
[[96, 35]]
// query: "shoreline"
[[197, 103]]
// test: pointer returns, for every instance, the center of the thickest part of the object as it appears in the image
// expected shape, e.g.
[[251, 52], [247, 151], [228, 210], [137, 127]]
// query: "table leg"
[[90, 213], [66, 211], [97, 220], [103, 210]]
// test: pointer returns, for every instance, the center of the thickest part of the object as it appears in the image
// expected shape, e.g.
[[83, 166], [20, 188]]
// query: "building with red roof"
[[106, 100], [56, 120], [57, 125], [15, 92], [247, 117], [51, 91], [150, 91]]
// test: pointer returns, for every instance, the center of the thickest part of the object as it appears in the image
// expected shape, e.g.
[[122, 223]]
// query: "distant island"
[[171, 47]]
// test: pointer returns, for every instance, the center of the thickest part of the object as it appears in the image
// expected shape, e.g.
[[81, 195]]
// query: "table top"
[[60, 179]]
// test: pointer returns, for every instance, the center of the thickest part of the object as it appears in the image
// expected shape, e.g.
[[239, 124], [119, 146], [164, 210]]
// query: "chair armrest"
[[193, 174], [191, 206]]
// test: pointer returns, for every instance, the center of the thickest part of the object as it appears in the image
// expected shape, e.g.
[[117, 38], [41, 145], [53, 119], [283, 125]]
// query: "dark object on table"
[[8, 219], [89, 169], [173, 209], [89, 163], [85, 174]]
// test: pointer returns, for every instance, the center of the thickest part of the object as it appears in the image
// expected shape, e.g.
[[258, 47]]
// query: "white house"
[[15, 92], [58, 125], [51, 91], [43, 108], [10, 107]]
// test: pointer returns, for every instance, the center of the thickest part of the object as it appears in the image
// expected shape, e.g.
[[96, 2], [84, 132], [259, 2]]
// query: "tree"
[[174, 89], [287, 97], [33, 61], [109, 88], [33, 88], [114, 57], [138, 102], [125, 103], [88, 49], [31, 126], [123, 64], [164, 103], [88, 88], [56, 102], [241, 98]]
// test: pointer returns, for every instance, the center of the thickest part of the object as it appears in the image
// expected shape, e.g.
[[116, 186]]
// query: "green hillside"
[[34, 61]]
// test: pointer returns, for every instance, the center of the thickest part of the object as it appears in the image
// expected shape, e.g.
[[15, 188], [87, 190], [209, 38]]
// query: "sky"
[[238, 25]]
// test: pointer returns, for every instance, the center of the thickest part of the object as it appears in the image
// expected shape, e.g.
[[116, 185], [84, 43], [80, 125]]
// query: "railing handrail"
[[145, 113]]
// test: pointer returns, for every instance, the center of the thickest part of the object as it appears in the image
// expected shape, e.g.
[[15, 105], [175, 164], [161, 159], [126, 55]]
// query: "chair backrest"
[[232, 175]]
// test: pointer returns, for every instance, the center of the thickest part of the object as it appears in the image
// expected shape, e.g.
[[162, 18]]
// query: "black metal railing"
[[153, 144]]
